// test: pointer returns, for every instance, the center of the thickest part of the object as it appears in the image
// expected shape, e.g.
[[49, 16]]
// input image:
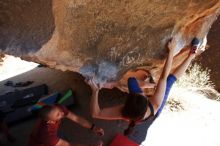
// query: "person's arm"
[[94, 105], [111, 113], [157, 99], [84, 123], [169, 60], [79, 120]]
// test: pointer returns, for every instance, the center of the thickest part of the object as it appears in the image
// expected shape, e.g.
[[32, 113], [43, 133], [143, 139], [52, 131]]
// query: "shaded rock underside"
[[103, 38]]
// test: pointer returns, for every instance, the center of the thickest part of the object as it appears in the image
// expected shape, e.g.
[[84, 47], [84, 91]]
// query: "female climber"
[[139, 110]]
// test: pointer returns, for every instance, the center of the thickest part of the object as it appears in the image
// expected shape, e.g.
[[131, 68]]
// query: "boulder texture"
[[102, 38], [211, 58]]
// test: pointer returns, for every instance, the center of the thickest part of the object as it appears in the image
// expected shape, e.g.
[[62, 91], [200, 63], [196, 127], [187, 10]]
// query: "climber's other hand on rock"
[[171, 45], [93, 85]]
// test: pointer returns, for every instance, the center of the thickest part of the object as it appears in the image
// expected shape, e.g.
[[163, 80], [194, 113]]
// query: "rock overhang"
[[104, 38]]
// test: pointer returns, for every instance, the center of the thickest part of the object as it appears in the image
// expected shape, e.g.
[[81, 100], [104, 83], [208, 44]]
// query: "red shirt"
[[45, 134]]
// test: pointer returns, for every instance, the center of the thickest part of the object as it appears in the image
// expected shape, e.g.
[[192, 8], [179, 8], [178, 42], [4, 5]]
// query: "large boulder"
[[211, 58], [101, 38]]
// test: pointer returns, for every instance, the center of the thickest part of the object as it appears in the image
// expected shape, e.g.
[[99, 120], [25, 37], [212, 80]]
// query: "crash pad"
[[121, 140]]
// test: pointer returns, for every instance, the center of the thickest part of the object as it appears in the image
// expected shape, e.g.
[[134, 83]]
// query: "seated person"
[[141, 110], [45, 132]]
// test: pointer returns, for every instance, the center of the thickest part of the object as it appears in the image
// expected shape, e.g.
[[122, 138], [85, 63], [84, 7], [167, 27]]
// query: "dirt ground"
[[197, 124]]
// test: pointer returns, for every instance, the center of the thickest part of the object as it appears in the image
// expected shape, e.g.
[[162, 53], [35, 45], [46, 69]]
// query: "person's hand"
[[98, 131], [171, 46], [93, 85]]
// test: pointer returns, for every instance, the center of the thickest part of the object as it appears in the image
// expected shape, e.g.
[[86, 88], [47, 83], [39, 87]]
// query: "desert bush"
[[197, 79]]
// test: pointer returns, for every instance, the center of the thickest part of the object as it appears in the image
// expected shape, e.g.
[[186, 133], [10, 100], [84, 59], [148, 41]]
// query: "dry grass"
[[175, 105], [196, 80]]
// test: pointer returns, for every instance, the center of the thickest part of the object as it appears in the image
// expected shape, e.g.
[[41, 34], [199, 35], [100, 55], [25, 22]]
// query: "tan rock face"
[[101, 38], [211, 58]]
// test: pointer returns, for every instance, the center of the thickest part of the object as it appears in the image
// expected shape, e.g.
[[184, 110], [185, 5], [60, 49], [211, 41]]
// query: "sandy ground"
[[14, 66], [196, 125]]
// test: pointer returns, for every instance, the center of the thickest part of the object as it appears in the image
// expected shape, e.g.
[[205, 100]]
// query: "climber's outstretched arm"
[[165, 84], [157, 99]]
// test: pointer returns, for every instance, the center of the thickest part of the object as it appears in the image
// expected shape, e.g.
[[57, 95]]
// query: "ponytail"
[[130, 128]]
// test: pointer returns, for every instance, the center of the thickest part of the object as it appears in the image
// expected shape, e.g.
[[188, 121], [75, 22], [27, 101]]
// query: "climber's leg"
[[180, 70], [195, 50]]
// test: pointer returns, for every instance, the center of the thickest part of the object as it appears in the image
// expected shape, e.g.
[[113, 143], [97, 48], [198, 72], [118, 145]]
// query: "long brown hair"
[[134, 109]]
